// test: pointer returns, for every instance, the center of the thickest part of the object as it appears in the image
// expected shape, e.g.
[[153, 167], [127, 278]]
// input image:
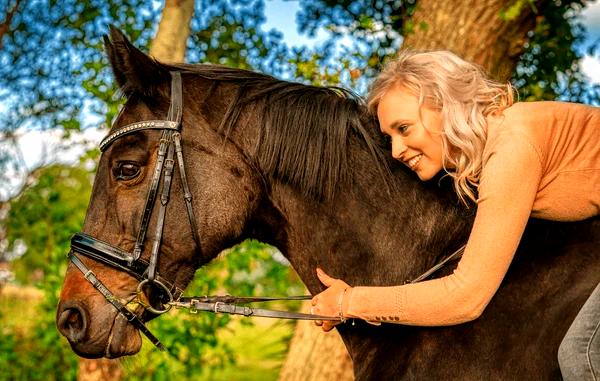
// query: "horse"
[[304, 168]]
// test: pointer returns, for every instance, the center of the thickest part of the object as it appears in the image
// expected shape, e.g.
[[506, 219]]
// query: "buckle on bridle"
[[217, 306]]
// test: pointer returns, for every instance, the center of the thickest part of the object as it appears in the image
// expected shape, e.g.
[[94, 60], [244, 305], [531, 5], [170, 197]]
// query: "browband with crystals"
[[139, 126]]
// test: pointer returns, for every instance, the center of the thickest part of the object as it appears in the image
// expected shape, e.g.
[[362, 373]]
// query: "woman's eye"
[[402, 128], [126, 171]]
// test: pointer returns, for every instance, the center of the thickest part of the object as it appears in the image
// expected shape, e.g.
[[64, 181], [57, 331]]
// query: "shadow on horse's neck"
[[365, 235]]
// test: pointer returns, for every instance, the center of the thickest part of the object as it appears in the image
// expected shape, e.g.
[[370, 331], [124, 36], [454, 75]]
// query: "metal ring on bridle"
[[149, 306]]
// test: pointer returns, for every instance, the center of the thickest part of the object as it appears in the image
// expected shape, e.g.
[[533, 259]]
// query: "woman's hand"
[[331, 301]]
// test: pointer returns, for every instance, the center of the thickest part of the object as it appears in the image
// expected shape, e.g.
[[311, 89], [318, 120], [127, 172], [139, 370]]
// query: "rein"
[[227, 304], [146, 272]]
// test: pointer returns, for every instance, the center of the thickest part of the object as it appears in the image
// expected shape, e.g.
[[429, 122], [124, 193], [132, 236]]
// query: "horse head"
[[124, 217]]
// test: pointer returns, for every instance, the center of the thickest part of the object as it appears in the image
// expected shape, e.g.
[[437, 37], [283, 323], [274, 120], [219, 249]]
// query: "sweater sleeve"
[[509, 182]]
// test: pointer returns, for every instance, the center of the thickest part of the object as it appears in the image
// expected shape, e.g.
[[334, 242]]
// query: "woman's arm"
[[508, 186]]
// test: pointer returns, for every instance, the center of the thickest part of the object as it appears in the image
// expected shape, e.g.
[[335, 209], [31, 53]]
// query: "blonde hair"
[[465, 97]]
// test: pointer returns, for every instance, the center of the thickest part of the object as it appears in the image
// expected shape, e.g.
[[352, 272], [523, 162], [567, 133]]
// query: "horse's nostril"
[[72, 323]]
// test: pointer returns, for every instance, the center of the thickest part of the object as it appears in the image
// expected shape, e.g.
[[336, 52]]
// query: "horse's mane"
[[305, 130]]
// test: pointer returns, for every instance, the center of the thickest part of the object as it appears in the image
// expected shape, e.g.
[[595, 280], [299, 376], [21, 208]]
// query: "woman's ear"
[[134, 71]]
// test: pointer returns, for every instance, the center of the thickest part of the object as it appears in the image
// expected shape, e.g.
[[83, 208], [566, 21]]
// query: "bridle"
[[146, 272]]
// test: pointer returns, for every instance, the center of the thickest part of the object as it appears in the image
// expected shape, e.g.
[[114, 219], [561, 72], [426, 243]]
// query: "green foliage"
[[230, 33], [549, 69], [269, 345], [42, 219], [39, 353], [52, 50]]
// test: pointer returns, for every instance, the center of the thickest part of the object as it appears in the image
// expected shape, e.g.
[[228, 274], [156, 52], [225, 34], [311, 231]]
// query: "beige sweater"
[[541, 159]]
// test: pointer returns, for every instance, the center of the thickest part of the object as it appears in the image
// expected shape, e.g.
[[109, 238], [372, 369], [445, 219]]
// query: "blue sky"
[[591, 20], [281, 15]]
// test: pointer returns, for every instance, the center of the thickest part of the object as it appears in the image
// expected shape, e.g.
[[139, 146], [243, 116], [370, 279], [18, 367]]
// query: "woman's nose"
[[398, 148]]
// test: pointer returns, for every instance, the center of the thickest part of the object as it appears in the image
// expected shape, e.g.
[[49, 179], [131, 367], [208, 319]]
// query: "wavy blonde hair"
[[465, 97]]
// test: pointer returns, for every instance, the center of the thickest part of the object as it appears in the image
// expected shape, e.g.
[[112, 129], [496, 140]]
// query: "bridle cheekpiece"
[[145, 271]]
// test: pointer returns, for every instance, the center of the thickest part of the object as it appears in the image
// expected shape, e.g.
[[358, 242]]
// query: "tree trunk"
[[173, 31], [475, 30], [315, 355]]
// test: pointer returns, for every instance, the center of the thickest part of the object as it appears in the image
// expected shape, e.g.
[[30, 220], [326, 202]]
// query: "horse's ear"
[[135, 72]]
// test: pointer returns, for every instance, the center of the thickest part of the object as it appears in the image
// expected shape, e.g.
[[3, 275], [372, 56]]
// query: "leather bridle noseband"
[[146, 272]]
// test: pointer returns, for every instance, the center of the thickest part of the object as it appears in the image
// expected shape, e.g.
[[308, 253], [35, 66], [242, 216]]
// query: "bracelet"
[[340, 301]]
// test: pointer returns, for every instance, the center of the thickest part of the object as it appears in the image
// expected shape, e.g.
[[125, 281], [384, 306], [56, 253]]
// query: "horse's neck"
[[365, 235]]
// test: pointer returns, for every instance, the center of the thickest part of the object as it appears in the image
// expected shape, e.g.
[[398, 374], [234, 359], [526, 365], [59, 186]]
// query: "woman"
[[539, 159]]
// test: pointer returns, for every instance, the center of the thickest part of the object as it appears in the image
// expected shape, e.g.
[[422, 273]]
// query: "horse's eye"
[[126, 170]]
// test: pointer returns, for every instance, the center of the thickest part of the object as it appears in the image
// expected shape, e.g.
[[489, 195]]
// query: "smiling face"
[[414, 130]]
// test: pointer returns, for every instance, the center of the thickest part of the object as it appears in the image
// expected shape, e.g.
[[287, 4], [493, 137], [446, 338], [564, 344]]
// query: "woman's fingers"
[[328, 326]]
